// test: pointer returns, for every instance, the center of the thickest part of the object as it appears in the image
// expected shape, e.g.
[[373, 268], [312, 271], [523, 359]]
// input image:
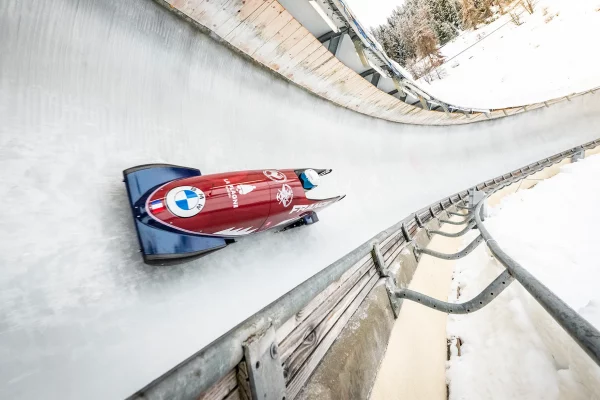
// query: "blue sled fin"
[[161, 244], [141, 179]]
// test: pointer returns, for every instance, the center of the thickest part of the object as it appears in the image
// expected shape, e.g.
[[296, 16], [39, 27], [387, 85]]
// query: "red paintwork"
[[256, 211]]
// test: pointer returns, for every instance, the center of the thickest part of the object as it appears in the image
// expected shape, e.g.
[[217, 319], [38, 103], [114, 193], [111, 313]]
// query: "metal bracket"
[[395, 301], [265, 371], [478, 302], [417, 253], [475, 196], [379, 261], [454, 256], [419, 221], [458, 214], [428, 232], [431, 212], [457, 234], [467, 219], [390, 280], [406, 233], [578, 156]]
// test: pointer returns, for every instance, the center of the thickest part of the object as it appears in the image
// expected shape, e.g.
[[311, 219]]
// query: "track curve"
[[89, 88]]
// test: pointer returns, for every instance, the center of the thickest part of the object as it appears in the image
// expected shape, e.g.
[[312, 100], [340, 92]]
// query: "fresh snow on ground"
[[512, 349], [553, 53]]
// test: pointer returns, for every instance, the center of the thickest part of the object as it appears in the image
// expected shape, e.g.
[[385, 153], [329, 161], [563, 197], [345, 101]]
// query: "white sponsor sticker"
[[245, 189], [309, 207], [185, 201], [274, 175], [231, 192], [285, 195]]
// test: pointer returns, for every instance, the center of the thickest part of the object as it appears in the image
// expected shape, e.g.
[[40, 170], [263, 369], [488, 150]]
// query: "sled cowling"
[[160, 244]]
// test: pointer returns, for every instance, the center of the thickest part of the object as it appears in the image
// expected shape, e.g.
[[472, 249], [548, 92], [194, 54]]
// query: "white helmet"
[[312, 179]]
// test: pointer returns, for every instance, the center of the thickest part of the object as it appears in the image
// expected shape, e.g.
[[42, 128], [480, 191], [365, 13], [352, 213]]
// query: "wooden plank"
[[222, 388], [361, 96], [376, 102], [393, 245], [217, 13], [267, 53], [394, 252], [338, 89], [383, 102], [357, 86], [294, 321], [399, 108], [304, 329], [311, 363], [241, 29], [239, 14], [314, 56], [187, 7], [328, 67], [341, 75], [208, 10], [294, 44], [387, 242], [253, 40], [301, 54], [311, 342], [235, 395], [273, 28]]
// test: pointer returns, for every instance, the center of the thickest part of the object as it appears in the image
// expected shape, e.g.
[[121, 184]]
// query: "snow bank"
[[512, 348], [551, 54]]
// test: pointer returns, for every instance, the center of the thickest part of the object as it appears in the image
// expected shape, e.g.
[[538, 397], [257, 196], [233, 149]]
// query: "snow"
[[552, 54], [372, 15], [512, 349], [90, 88]]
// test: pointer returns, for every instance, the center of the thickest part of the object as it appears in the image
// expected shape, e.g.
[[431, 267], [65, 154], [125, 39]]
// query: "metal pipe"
[[478, 302], [464, 221], [455, 256], [458, 214], [457, 234], [584, 333]]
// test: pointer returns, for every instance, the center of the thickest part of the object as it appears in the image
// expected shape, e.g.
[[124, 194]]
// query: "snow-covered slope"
[[551, 54], [90, 88], [551, 230]]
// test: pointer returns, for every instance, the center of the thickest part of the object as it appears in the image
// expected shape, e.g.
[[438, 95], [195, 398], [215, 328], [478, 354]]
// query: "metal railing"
[[202, 370], [582, 332]]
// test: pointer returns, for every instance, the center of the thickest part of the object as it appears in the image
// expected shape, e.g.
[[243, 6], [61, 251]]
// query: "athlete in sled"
[[180, 214]]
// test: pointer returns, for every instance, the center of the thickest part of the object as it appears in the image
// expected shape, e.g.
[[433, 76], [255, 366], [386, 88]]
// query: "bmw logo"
[[185, 201]]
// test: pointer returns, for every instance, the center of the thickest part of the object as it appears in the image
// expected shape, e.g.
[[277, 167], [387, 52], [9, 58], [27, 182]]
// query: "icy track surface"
[[551, 230], [90, 88]]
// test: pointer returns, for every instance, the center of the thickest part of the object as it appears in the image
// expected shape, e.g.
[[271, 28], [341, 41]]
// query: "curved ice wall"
[[89, 88]]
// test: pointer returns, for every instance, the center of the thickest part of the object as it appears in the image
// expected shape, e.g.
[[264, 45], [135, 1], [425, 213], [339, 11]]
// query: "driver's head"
[[309, 179]]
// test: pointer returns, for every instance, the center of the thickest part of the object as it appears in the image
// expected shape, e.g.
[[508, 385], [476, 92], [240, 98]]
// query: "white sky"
[[372, 13]]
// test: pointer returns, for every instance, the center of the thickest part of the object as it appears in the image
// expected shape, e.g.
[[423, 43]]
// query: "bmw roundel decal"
[[185, 201]]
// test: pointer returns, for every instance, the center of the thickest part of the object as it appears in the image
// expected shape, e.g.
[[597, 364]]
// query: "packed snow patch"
[[512, 348], [549, 55]]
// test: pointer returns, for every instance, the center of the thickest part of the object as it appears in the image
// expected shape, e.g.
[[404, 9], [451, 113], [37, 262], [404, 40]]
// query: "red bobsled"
[[180, 214]]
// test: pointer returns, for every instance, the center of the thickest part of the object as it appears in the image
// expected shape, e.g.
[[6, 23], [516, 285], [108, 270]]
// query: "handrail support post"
[[390, 279], [265, 370]]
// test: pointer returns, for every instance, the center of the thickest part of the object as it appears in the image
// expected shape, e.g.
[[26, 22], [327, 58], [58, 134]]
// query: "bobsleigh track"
[[89, 88]]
